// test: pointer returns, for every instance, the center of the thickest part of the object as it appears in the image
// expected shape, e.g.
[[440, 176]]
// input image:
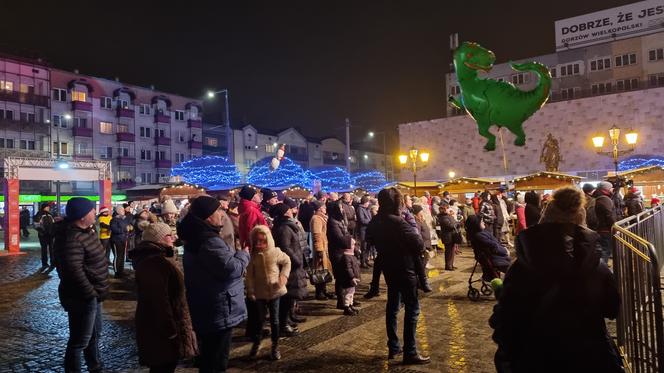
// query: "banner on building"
[[642, 18]]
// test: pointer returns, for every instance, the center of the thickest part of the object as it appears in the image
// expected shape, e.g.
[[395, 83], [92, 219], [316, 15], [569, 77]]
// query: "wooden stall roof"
[[181, 190], [545, 180], [652, 175], [422, 186], [469, 184], [296, 192]]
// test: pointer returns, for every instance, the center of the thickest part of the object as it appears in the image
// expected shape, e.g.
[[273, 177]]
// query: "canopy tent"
[[545, 180], [469, 185]]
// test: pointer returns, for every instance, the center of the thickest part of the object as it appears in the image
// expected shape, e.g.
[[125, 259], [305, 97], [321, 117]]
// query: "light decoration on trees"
[[332, 178], [210, 172], [371, 181], [287, 174], [640, 161]]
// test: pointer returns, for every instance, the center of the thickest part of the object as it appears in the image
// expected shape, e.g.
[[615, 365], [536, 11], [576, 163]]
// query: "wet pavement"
[[452, 329]]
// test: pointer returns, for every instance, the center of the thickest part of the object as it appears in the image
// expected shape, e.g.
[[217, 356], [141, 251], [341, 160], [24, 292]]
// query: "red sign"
[[105, 193], [12, 223]]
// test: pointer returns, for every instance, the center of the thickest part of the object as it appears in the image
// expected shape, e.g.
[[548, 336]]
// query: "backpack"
[[591, 215]]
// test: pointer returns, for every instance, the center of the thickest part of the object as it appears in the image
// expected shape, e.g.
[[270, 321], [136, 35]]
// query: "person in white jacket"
[[266, 279]]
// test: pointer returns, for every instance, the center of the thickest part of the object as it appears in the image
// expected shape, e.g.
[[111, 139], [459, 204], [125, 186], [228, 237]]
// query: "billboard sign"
[[628, 21]]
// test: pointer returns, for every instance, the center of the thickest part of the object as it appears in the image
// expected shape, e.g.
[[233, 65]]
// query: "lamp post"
[[418, 159], [227, 121], [373, 134], [614, 134]]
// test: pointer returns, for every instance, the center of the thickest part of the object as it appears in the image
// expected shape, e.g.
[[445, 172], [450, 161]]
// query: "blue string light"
[[332, 178], [287, 174], [372, 181], [210, 172], [640, 161]]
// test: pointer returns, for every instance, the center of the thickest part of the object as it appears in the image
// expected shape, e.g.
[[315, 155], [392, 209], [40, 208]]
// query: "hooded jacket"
[[550, 315], [250, 216], [213, 277], [634, 203], [265, 268], [604, 210], [164, 332], [485, 243], [286, 237]]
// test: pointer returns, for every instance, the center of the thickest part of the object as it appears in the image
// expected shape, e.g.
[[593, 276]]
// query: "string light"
[[287, 174], [332, 178], [211, 172], [371, 181], [640, 162]]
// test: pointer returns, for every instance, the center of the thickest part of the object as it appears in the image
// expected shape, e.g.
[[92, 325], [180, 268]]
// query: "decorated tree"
[[332, 178], [211, 172], [287, 173], [372, 181]]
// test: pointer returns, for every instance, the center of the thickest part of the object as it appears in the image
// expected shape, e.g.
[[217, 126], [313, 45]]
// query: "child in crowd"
[[266, 279], [349, 278]]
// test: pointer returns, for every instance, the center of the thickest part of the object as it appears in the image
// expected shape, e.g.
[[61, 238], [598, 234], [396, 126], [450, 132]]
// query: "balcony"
[[125, 184], [125, 113], [193, 144], [82, 156], [162, 163], [126, 136], [162, 118], [82, 131], [24, 98], [126, 161], [194, 123], [81, 105], [161, 140], [23, 126]]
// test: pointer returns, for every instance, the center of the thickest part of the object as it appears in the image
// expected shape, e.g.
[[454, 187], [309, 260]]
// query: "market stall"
[[460, 188], [544, 181], [649, 180], [407, 187]]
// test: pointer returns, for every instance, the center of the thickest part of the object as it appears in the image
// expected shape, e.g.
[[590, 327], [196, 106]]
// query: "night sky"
[[308, 64]]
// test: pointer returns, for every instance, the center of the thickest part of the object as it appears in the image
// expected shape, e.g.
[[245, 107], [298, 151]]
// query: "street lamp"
[[631, 138], [418, 159], [451, 174], [211, 95], [373, 134]]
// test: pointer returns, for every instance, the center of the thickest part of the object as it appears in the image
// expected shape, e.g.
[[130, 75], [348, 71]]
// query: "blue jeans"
[[271, 306], [412, 305], [215, 350], [84, 330], [606, 244]]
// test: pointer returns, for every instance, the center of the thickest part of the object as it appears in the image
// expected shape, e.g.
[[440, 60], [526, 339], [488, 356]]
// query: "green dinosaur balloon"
[[491, 102]]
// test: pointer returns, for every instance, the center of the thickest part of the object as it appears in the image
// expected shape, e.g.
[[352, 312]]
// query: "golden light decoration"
[[403, 159], [631, 136], [424, 156]]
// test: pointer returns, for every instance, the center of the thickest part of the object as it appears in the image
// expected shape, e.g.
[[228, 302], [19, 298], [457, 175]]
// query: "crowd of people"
[[249, 257]]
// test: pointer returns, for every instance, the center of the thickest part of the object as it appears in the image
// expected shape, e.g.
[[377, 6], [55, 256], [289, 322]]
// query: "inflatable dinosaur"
[[490, 102]]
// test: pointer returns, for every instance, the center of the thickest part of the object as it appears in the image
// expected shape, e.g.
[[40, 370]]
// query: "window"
[[123, 104], [123, 128], [179, 157], [27, 117], [28, 144], [64, 148], [145, 132], [144, 109], [59, 94], [627, 84], [520, 78], [146, 155], [181, 136], [123, 152], [656, 80], [626, 59], [567, 93], [159, 133], [570, 69], [81, 122], [106, 127], [455, 90], [106, 102], [656, 54], [82, 148], [78, 96], [25, 88], [600, 88], [159, 155], [6, 85], [270, 148], [59, 120], [179, 115], [212, 141], [2, 142], [9, 143], [553, 72], [106, 152], [600, 64], [146, 177]]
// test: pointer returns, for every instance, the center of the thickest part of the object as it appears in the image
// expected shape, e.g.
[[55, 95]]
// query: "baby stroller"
[[482, 259]]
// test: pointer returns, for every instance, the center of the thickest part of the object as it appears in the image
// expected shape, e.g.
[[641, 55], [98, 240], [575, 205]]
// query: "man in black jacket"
[[119, 240], [82, 268], [363, 220], [44, 222], [606, 216], [399, 246]]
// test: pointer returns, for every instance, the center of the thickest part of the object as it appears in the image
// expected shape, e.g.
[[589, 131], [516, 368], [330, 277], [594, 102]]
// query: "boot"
[[289, 331], [254, 350], [320, 295], [275, 354], [349, 311], [296, 318], [416, 359], [372, 293]]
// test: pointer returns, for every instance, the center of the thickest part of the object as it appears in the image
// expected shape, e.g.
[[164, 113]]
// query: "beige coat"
[[264, 270], [318, 226]]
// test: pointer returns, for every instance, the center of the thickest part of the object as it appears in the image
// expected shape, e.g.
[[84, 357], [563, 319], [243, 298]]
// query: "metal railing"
[[638, 243]]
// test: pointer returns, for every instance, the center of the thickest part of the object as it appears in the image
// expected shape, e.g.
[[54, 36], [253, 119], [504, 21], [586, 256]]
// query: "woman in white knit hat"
[[164, 333]]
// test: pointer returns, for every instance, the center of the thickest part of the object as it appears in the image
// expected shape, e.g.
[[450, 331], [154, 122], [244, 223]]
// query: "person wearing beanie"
[[248, 193], [654, 201], [162, 313], [169, 216], [287, 238], [558, 285], [211, 269], [269, 200], [321, 256], [119, 231], [83, 271], [606, 215], [44, 224], [633, 202]]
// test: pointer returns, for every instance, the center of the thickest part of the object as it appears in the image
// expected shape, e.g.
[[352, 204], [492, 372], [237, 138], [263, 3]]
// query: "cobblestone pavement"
[[452, 329]]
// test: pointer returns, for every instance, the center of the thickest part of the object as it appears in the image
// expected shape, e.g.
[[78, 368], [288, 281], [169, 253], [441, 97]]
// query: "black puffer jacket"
[[634, 203], [399, 246], [338, 238], [119, 228], [286, 237], [550, 315], [81, 263]]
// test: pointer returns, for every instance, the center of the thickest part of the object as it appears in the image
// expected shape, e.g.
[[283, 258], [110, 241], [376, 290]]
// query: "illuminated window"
[[106, 127], [25, 88], [123, 128], [78, 96], [211, 141], [7, 86]]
